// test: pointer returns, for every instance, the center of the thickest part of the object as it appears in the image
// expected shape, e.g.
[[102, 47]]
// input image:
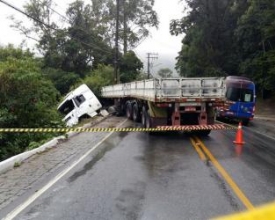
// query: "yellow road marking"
[[197, 148], [226, 176]]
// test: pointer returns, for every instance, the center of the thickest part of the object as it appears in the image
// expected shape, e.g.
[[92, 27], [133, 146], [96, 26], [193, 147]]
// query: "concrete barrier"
[[18, 159]]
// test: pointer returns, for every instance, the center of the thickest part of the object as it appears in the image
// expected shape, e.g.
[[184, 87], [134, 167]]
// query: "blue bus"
[[240, 100]]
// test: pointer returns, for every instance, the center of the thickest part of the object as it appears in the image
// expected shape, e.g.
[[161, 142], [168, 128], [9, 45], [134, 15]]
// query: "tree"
[[137, 16], [165, 73], [86, 47], [43, 29], [256, 39], [228, 37], [61, 80], [207, 46], [77, 48], [27, 100], [11, 52], [102, 76], [130, 67]]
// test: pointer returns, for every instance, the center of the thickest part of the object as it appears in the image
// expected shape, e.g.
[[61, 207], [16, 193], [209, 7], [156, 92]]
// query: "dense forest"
[[220, 38], [228, 37]]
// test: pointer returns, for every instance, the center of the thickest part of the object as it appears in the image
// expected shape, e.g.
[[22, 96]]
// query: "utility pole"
[[125, 27], [150, 58], [116, 42]]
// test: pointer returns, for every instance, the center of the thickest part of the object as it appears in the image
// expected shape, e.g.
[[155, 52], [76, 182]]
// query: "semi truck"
[[79, 103], [170, 103]]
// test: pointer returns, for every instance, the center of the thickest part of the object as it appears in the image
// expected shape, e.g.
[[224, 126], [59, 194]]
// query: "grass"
[[16, 164]]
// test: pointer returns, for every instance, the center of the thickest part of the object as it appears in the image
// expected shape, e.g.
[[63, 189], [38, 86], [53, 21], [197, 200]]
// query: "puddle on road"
[[129, 201], [223, 187], [108, 145]]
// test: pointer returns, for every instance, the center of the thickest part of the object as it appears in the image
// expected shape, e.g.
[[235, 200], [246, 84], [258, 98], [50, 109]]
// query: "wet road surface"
[[137, 176]]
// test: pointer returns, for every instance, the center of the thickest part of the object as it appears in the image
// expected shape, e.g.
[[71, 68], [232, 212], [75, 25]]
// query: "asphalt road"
[[166, 176]]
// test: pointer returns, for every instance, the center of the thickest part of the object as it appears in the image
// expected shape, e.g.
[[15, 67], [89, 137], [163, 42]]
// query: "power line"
[[55, 11], [68, 20], [24, 13], [49, 26]]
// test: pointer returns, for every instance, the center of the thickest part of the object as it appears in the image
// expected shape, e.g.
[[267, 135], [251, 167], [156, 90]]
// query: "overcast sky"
[[160, 40]]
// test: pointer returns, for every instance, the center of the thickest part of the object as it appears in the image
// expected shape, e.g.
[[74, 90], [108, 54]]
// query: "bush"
[[27, 100], [62, 80], [102, 76]]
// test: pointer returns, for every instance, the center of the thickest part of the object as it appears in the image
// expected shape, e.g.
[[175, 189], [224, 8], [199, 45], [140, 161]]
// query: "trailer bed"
[[170, 90]]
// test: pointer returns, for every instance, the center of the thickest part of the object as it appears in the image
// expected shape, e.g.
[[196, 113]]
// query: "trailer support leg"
[[203, 118], [203, 115], [176, 115]]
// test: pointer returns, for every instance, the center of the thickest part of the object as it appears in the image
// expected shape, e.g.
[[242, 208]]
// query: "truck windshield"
[[239, 94], [67, 107]]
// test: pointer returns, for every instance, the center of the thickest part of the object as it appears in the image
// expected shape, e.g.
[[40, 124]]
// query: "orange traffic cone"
[[239, 149], [239, 135]]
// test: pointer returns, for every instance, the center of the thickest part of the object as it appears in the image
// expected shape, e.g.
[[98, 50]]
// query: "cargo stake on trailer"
[[170, 101]]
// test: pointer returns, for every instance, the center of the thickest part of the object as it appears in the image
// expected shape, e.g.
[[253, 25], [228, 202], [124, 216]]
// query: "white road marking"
[[32, 198]]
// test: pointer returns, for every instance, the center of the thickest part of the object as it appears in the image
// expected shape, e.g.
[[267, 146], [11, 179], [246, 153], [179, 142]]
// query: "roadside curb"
[[18, 159], [11, 162], [264, 118]]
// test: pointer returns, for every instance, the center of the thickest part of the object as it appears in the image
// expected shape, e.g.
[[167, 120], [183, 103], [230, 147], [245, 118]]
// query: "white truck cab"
[[80, 102]]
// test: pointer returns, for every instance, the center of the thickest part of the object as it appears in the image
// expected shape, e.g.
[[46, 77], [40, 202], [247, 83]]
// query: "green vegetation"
[[16, 164], [27, 99], [222, 37], [81, 52], [130, 67], [228, 37], [165, 72], [102, 76]]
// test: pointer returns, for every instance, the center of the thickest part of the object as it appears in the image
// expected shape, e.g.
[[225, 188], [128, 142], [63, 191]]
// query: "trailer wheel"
[[148, 123], [143, 116], [136, 114], [148, 120], [129, 110]]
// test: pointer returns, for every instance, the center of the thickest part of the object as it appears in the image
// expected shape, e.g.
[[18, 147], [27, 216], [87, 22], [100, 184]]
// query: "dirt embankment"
[[265, 108]]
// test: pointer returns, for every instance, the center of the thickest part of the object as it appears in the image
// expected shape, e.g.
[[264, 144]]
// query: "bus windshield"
[[239, 94]]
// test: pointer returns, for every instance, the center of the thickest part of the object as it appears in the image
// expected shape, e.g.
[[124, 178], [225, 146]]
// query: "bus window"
[[239, 94], [232, 94], [247, 97]]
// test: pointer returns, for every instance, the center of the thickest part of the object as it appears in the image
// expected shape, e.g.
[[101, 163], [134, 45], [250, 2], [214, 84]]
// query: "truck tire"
[[148, 123], [245, 122], [143, 116], [129, 111], [136, 114]]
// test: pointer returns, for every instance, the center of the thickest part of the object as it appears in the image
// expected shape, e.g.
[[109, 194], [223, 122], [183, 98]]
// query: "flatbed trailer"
[[187, 103]]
